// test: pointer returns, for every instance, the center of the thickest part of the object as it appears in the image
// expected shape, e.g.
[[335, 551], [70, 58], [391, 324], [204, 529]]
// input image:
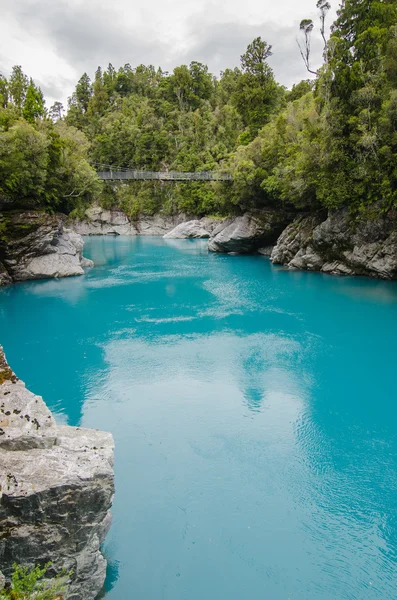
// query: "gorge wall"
[[36, 245], [56, 490]]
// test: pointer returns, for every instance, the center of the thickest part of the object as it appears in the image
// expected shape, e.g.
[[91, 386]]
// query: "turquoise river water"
[[254, 412]]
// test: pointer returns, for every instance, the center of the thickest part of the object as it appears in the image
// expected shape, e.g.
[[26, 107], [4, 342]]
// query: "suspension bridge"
[[120, 174]]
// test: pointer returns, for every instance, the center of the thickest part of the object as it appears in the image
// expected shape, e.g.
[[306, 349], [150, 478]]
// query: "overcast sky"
[[55, 41]]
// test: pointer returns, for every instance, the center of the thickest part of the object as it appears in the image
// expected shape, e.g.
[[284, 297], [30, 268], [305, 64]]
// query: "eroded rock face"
[[249, 232], [57, 487], [340, 244], [35, 245], [197, 228], [5, 277], [100, 221]]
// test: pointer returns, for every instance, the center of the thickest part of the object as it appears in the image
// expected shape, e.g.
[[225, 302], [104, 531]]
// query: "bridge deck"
[[164, 175]]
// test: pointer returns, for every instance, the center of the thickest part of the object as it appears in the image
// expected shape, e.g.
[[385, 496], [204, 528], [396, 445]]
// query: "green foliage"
[[33, 107], [30, 584], [336, 146], [257, 95], [42, 165], [328, 143], [17, 88]]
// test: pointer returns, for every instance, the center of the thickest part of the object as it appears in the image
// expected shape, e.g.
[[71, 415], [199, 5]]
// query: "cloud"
[[55, 42], [220, 45], [86, 38]]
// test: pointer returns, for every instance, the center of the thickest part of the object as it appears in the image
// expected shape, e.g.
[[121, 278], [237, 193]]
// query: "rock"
[[340, 244], [266, 251], [249, 232], [100, 221], [158, 224], [57, 486], [190, 229], [5, 277], [35, 245]]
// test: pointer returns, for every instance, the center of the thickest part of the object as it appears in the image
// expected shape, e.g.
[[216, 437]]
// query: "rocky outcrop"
[[35, 245], [249, 232], [196, 228], [100, 221], [5, 277], [340, 244], [56, 490]]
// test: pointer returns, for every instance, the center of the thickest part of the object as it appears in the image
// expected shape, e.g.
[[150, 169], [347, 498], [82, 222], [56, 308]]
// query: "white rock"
[[57, 486], [190, 229]]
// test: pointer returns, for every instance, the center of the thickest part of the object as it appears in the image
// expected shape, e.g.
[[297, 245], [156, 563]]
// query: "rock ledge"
[[56, 490]]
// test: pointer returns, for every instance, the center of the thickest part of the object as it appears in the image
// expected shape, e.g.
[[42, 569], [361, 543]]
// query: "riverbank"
[[56, 490], [333, 242], [35, 245]]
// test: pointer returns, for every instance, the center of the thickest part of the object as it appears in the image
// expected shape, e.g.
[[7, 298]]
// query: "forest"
[[329, 142]]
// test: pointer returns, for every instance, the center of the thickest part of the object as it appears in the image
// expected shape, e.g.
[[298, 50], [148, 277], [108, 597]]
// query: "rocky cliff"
[[336, 243], [36, 245], [56, 490], [101, 221], [339, 243]]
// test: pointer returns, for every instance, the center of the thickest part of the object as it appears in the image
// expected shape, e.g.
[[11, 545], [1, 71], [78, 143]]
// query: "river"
[[254, 412]]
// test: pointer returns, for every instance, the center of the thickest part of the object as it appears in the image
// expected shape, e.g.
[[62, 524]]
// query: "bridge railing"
[[118, 175]]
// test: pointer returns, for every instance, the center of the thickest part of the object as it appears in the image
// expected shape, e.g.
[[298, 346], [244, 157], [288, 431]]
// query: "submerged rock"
[[340, 244], [249, 232], [57, 486], [35, 245]]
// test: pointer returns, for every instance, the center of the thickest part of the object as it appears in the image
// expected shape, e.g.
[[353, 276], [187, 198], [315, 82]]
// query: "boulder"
[[35, 245], [248, 233], [57, 486], [190, 229], [339, 243]]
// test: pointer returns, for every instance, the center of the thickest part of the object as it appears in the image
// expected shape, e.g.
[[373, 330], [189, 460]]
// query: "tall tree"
[[83, 92], [33, 106], [56, 111], [17, 86], [3, 91], [257, 94]]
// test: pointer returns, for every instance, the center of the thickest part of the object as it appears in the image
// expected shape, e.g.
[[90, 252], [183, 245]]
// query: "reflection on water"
[[253, 411]]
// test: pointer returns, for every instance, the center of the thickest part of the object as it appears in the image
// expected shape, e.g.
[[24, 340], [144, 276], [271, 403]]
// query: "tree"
[[253, 61], [99, 99], [33, 106], [3, 91], [83, 92], [324, 7], [17, 87], [23, 164], [56, 111], [306, 27], [256, 95]]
